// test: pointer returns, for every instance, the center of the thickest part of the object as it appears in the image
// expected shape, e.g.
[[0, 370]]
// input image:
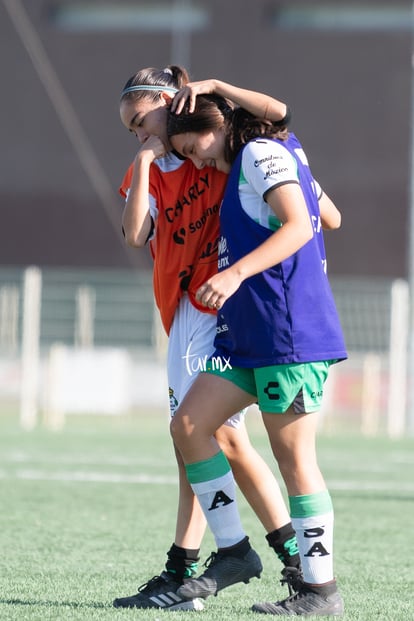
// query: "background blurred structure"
[[345, 70]]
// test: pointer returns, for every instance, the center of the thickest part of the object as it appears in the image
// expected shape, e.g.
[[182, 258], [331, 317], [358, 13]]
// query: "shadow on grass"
[[31, 602]]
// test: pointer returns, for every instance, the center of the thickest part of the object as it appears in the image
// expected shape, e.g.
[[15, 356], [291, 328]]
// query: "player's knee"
[[234, 444], [176, 430]]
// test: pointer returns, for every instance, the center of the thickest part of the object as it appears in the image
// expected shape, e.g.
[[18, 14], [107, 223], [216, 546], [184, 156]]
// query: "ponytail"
[[151, 82]]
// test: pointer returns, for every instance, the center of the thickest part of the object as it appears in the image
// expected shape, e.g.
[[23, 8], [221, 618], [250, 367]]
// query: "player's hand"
[[189, 93], [153, 147], [218, 289]]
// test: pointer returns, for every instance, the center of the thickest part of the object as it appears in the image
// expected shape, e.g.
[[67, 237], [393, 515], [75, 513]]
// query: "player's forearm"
[[136, 220], [330, 214], [258, 104]]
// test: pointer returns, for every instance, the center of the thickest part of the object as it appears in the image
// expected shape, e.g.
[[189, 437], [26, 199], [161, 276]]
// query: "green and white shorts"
[[280, 386]]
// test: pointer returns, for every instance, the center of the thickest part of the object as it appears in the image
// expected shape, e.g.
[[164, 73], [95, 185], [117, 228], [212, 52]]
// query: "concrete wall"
[[349, 92]]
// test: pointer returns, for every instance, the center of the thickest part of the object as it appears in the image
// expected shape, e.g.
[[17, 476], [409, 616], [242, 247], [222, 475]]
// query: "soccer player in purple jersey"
[[278, 332]]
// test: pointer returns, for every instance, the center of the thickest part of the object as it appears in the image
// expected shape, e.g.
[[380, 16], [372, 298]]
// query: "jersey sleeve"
[[266, 164], [126, 183]]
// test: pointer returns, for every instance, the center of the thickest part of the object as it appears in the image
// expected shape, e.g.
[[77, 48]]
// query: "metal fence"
[[55, 321], [116, 308], [103, 308]]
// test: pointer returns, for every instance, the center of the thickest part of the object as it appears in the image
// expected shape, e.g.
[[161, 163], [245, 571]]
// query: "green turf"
[[82, 522]]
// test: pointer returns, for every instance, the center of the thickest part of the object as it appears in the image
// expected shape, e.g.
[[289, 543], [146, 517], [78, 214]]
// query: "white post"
[[9, 317], [32, 289], [410, 407], [159, 337], [371, 387], [397, 394], [85, 316]]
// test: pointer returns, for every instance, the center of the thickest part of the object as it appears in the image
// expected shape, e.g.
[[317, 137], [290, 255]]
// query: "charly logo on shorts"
[[271, 391], [194, 364]]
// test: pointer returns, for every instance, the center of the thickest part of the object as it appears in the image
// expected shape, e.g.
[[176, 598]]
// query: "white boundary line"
[[80, 476]]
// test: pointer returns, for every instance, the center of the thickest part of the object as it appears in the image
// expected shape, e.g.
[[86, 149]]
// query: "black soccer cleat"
[[222, 571], [293, 577], [159, 592], [320, 601]]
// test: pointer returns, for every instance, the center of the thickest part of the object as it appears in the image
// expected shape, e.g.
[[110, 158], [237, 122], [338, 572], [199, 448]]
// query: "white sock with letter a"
[[213, 483], [313, 518]]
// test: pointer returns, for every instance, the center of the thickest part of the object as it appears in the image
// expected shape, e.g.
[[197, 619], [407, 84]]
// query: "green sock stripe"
[[311, 504], [291, 546], [208, 469], [191, 570]]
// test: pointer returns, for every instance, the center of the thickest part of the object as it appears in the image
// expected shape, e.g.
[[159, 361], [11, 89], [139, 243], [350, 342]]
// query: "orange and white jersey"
[[184, 204]]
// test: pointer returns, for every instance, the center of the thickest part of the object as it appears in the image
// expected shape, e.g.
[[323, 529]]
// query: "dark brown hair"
[[212, 112]]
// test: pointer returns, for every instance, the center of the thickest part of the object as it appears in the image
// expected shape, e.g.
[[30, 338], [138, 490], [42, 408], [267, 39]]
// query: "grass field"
[[88, 514]]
